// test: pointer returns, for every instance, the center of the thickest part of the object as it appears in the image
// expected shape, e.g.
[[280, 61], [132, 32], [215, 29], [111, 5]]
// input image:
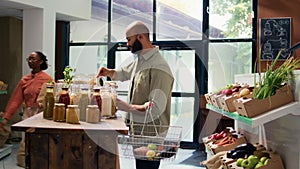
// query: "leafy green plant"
[[274, 78], [68, 75]]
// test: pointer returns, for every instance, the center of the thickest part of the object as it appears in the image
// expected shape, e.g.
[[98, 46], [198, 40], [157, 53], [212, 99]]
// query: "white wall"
[[39, 22]]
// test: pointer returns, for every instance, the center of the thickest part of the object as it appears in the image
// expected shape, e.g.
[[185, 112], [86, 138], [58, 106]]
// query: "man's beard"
[[136, 47]]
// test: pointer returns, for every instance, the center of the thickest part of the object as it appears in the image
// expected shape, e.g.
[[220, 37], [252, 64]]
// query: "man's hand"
[[105, 72]]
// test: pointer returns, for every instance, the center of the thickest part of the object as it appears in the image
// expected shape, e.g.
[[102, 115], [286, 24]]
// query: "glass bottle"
[[84, 101], [106, 103], [72, 114], [59, 113], [64, 97], [96, 97], [92, 114], [48, 103]]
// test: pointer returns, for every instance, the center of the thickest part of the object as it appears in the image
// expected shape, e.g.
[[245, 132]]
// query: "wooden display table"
[[53, 145]]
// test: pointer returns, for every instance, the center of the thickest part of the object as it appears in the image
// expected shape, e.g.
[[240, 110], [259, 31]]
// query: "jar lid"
[[92, 106], [59, 104], [73, 105]]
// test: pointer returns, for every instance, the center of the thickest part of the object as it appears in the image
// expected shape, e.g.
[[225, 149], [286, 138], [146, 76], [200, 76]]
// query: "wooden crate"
[[69, 150]]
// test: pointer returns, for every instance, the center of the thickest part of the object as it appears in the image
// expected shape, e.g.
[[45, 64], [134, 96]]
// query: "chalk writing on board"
[[275, 34]]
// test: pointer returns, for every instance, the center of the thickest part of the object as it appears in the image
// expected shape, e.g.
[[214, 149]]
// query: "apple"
[[253, 160], [160, 148], [266, 161], [263, 159], [228, 92], [246, 163], [259, 164], [152, 146], [239, 162]]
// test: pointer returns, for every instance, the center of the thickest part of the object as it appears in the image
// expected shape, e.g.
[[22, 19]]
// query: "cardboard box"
[[226, 103], [215, 99], [250, 107], [215, 149], [226, 161], [208, 97], [274, 162]]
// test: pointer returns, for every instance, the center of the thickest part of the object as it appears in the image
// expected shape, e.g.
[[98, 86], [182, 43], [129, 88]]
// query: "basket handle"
[[149, 112]]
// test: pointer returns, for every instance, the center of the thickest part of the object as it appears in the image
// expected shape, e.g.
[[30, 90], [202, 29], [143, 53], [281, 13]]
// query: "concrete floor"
[[185, 159]]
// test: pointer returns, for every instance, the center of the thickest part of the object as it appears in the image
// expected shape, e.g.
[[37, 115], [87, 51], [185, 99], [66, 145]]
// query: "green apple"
[[259, 164], [246, 163], [253, 158], [263, 159], [266, 161], [239, 162], [152, 146]]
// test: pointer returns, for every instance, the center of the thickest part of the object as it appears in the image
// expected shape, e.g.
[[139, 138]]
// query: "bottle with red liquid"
[[64, 97], [96, 97]]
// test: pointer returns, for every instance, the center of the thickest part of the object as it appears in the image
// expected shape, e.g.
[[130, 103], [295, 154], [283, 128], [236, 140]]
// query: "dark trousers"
[[145, 164]]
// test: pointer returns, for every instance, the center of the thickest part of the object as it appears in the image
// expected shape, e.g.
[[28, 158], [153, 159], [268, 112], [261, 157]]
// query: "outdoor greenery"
[[240, 12]]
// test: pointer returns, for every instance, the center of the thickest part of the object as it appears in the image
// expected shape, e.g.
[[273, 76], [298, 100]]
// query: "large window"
[[230, 47], [196, 37]]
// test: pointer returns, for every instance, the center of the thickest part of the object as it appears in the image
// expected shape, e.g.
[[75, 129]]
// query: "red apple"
[[228, 92]]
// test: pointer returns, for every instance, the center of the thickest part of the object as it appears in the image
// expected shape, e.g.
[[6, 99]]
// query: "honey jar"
[[72, 114], [92, 114], [59, 113]]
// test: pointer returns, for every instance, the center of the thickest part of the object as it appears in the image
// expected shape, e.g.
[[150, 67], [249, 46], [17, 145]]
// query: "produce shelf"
[[290, 108], [3, 92]]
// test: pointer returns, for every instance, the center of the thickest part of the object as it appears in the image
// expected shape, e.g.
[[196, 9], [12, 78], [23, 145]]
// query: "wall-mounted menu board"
[[275, 34]]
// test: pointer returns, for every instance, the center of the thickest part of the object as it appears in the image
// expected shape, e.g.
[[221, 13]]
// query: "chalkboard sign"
[[275, 34]]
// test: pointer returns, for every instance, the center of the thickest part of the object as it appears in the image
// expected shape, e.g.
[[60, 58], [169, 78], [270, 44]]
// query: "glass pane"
[[230, 19], [179, 20], [226, 60], [182, 114], [87, 59], [94, 30], [123, 58], [126, 12], [182, 63]]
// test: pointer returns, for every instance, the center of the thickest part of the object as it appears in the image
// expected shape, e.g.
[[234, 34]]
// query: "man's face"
[[134, 44]]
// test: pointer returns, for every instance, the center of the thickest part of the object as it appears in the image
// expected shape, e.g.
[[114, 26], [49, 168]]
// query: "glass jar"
[[64, 97], [72, 114], [48, 103], [113, 93], [74, 94], [59, 113], [96, 97], [92, 114], [106, 103], [84, 101]]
